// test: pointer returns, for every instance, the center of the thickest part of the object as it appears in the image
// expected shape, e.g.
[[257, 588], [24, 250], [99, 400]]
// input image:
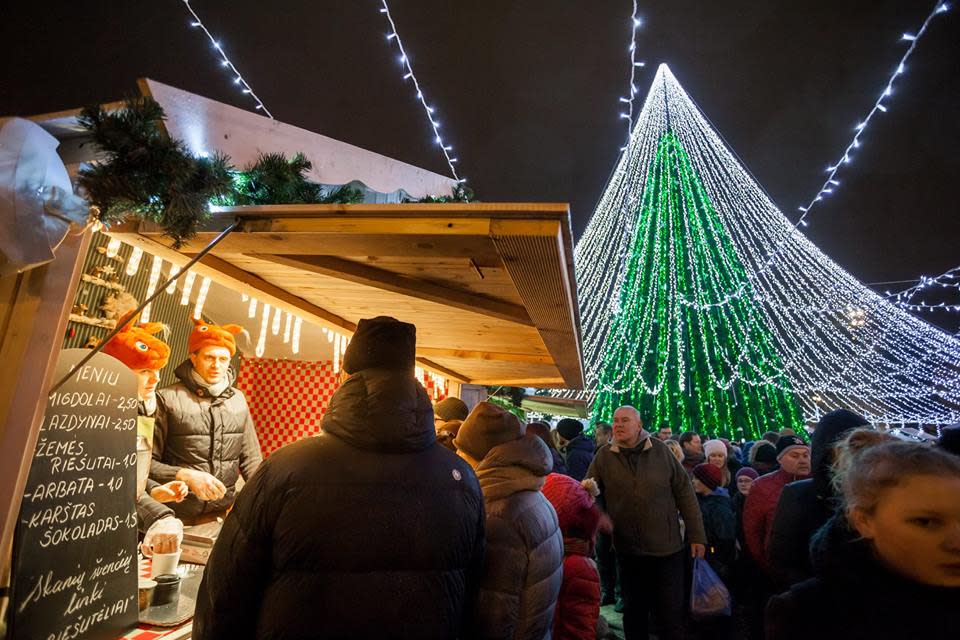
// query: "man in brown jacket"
[[204, 435], [645, 489]]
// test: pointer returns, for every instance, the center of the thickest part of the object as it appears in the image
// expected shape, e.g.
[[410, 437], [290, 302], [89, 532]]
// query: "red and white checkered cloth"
[[287, 398]]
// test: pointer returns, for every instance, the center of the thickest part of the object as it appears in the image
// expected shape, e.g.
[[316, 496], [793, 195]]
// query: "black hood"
[[381, 410], [830, 430]]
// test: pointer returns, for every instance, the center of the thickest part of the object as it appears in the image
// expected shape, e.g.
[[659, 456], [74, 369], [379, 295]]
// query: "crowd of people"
[[409, 520]]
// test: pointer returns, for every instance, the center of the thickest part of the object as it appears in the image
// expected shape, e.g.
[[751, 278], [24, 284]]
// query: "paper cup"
[[145, 592], [164, 563]]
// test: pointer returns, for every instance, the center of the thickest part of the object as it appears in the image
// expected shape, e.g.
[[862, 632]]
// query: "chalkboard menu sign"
[[75, 566]]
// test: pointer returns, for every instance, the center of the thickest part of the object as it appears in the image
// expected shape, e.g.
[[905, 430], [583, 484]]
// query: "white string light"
[[201, 298], [152, 283], [947, 280], [295, 345], [188, 281], [275, 327], [252, 309], [833, 338], [286, 328], [635, 23], [174, 270], [226, 63], [113, 248], [336, 352], [133, 262], [264, 324], [831, 183], [394, 35], [244, 297]]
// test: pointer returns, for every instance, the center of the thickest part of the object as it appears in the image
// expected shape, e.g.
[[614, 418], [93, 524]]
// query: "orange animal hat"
[[136, 346], [212, 335]]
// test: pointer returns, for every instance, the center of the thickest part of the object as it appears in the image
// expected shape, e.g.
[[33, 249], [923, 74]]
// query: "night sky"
[[527, 93]]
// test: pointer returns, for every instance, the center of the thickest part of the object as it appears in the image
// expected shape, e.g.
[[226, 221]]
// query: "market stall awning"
[[489, 286]]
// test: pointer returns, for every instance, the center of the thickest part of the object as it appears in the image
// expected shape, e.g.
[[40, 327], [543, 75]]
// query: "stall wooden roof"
[[489, 286]]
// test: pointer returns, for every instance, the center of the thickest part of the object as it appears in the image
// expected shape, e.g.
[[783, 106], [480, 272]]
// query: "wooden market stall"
[[490, 287]]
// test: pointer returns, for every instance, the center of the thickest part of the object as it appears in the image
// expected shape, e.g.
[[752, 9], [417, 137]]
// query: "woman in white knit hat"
[[716, 454]]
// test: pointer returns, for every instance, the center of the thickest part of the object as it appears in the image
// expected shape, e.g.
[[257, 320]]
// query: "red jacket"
[[578, 606], [758, 513]]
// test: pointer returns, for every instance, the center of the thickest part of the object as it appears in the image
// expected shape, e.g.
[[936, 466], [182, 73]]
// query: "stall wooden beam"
[[530, 358], [433, 366], [395, 283]]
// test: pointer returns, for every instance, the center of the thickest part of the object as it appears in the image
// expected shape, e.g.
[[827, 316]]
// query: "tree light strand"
[[635, 23], [427, 109], [227, 63]]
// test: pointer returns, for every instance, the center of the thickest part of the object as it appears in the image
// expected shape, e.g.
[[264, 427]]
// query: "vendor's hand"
[[201, 483], [698, 551], [174, 491], [163, 536]]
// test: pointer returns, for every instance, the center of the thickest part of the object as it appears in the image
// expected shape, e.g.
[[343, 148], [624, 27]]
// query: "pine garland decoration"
[[461, 193], [147, 173], [273, 179]]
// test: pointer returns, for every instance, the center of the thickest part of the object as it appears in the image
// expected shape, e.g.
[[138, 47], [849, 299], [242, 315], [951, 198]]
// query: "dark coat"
[[805, 505], [559, 466], [854, 597], [720, 523], [643, 489], [579, 455], [195, 431], [523, 565], [371, 529]]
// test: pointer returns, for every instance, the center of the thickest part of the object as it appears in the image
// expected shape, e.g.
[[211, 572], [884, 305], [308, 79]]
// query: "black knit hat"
[[381, 343], [785, 443], [568, 428], [764, 452]]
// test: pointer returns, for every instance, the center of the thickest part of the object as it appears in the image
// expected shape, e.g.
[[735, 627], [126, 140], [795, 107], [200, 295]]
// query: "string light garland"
[[295, 344], [447, 149], [831, 183], [949, 279], [133, 262], [174, 270], [201, 298], [152, 282], [683, 315], [635, 23], [225, 62], [286, 328]]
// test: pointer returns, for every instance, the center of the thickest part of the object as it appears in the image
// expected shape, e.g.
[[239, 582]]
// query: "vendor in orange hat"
[[204, 435], [138, 347]]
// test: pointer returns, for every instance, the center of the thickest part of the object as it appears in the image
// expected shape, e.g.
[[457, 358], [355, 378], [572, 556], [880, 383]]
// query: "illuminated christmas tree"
[[702, 305], [664, 357]]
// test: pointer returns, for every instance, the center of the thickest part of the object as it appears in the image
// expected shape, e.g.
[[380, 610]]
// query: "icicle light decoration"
[[286, 328], [133, 262], [336, 352], [295, 346], [275, 327], [188, 281], [152, 286], [201, 298], [264, 327], [174, 270], [252, 310], [113, 247]]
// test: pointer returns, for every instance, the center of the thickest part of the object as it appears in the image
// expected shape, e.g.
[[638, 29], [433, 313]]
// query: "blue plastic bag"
[[709, 597]]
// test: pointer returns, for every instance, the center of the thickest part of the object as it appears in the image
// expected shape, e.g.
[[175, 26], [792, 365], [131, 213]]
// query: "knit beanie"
[[714, 446], [486, 427], [381, 343], [452, 408], [708, 474], [788, 443], [574, 503], [136, 345], [764, 452], [748, 472], [568, 428], [450, 426], [213, 335]]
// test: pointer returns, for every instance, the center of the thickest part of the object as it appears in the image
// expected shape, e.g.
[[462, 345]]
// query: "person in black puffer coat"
[[805, 505], [371, 529], [887, 564], [578, 449], [523, 568]]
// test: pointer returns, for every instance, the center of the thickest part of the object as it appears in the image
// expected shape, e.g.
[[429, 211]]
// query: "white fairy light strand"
[[635, 23], [831, 182], [174, 270], [201, 299], [152, 283], [226, 62], [262, 338], [838, 342], [949, 279], [428, 110], [188, 281]]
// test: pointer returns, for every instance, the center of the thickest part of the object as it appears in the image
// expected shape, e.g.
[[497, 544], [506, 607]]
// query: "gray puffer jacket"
[[195, 431], [524, 556]]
